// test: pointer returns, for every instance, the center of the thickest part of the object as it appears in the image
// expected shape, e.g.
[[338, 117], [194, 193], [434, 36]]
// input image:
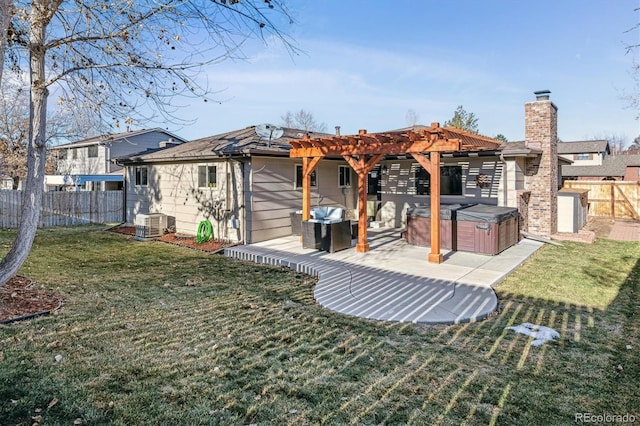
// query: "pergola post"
[[432, 166], [362, 167], [435, 256], [308, 165]]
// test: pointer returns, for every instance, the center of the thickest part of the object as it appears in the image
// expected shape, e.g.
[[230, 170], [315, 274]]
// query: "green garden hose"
[[205, 232]]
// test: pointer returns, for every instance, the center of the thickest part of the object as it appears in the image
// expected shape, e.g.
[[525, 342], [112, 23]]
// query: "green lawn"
[[157, 334]]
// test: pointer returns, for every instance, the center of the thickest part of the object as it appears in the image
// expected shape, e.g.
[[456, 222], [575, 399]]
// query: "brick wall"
[[541, 132]]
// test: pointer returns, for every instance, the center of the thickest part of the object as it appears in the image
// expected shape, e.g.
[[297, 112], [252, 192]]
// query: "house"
[[242, 182], [584, 153], [247, 185], [6, 182], [621, 167], [86, 164]]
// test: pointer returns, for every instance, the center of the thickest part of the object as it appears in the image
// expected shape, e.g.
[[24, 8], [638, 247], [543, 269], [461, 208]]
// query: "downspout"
[[505, 188], [240, 198], [124, 190]]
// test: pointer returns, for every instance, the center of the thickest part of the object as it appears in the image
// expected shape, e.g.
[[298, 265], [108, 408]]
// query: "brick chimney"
[[541, 133]]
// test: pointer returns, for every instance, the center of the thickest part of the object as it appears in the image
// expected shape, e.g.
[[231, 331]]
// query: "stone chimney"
[[541, 133]]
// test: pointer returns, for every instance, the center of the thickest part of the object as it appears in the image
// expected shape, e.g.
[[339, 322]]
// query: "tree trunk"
[[6, 10], [36, 150]]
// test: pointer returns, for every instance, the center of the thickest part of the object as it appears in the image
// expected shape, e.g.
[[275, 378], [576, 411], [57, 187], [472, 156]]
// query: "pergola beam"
[[389, 148]]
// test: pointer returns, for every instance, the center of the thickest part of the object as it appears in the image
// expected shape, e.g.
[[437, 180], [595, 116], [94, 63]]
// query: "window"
[[450, 181], [92, 151], [344, 176], [583, 156], [207, 176], [314, 178], [62, 154], [74, 153], [142, 176], [423, 181]]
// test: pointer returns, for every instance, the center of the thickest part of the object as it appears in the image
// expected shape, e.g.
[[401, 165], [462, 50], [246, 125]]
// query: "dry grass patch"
[[157, 334]]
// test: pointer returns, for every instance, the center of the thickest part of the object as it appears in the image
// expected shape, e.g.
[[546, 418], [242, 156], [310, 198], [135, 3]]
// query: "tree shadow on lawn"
[[281, 358]]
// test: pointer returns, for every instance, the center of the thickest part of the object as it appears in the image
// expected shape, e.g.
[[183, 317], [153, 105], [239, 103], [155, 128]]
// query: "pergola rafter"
[[363, 152]]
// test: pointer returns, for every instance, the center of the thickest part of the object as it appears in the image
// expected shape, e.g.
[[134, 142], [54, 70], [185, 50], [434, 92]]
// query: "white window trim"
[[295, 177], [135, 176], [208, 184], [348, 173]]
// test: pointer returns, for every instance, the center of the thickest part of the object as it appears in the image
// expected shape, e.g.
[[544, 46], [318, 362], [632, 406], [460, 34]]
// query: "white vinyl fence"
[[65, 208]]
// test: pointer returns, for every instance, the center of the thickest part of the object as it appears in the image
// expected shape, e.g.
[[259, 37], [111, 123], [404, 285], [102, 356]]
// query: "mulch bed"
[[21, 298], [186, 241]]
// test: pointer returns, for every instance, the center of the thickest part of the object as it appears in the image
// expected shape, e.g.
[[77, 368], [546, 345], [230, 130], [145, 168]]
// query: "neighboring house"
[[613, 167], [248, 186], [87, 165], [6, 182], [584, 153]]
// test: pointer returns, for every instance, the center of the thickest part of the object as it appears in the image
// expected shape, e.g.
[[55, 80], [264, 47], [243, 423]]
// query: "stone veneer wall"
[[541, 132]]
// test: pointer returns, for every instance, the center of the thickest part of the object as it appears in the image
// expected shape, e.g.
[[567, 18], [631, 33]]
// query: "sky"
[[365, 64]]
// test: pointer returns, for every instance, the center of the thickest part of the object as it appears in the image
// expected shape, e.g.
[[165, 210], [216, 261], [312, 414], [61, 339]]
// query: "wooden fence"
[[65, 208], [609, 198]]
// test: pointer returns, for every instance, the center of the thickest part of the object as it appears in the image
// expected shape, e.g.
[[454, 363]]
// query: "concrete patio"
[[394, 281]]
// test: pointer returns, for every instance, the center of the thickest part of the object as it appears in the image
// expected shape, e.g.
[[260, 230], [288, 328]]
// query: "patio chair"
[[327, 230]]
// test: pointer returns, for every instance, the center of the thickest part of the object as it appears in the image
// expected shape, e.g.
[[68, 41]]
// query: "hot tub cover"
[[486, 213], [447, 211]]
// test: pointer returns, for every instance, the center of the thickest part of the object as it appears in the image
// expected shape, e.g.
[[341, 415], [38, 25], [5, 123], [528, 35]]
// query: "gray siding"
[[274, 197]]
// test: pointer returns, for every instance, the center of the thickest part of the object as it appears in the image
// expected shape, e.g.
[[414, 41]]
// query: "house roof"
[[238, 142], [518, 149], [613, 165], [577, 147], [122, 136]]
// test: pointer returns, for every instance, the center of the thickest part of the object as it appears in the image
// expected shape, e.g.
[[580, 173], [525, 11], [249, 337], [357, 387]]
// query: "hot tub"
[[419, 225], [486, 229]]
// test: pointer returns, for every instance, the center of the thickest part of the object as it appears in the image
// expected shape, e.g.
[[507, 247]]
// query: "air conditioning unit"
[[150, 225]]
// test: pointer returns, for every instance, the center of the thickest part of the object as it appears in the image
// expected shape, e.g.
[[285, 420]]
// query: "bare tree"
[[63, 124], [128, 58], [634, 148], [412, 118], [6, 11], [633, 99], [617, 141], [14, 132], [302, 120]]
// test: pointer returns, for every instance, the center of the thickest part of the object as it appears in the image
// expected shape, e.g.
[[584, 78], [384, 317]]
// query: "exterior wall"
[[632, 173], [541, 130], [595, 159], [173, 190], [514, 181], [262, 212], [83, 164], [138, 143], [399, 192], [274, 196]]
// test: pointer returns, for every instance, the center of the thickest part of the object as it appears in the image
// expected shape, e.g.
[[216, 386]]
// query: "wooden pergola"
[[364, 150]]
